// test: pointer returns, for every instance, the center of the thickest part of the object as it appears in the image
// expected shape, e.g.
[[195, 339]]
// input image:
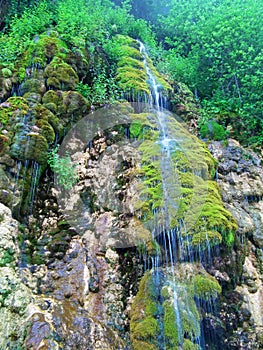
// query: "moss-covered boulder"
[[13, 109], [53, 100], [33, 85], [79, 61], [63, 72], [30, 146], [43, 49], [75, 104], [166, 307]]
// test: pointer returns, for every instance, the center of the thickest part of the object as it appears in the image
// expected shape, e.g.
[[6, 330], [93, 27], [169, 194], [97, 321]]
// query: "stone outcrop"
[[240, 179]]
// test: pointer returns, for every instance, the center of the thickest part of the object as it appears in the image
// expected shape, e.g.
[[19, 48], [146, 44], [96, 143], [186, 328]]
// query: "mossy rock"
[[63, 72], [53, 100], [188, 345], [175, 308], [75, 104], [32, 97], [41, 113], [131, 72], [46, 130], [53, 83], [195, 194], [14, 107], [33, 85], [4, 143], [78, 61], [43, 48], [206, 287], [181, 318], [30, 146], [144, 327]]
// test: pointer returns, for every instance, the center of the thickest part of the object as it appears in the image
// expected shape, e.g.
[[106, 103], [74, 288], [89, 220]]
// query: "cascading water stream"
[[170, 185], [177, 248]]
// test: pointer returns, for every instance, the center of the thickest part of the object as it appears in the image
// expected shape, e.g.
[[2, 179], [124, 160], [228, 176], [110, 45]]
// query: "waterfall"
[[177, 251]]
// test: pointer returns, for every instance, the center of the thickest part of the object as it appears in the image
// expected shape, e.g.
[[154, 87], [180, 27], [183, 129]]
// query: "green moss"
[[206, 287], [144, 327], [63, 72], [53, 83], [53, 100], [75, 104], [31, 146], [131, 62], [199, 203], [188, 345], [14, 107], [131, 79], [46, 130], [189, 324], [32, 98], [43, 114], [131, 74], [34, 85], [43, 49], [170, 325], [165, 86]]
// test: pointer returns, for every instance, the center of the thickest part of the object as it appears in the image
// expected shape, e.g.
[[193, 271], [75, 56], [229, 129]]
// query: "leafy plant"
[[104, 88], [212, 130], [64, 169]]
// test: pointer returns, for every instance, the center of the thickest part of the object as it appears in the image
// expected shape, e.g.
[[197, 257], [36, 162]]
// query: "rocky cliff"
[[76, 258]]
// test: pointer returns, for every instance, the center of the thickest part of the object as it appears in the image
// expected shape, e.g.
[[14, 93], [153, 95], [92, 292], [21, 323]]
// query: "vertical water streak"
[[169, 184], [33, 186]]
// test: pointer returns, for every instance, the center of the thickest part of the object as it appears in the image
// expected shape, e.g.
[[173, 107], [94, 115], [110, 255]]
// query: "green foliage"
[[80, 22], [216, 48], [7, 73], [104, 88], [212, 130], [136, 130], [63, 168], [7, 258], [33, 21]]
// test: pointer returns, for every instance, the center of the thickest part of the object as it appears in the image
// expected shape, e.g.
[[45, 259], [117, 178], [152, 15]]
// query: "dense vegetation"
[[214, 46]]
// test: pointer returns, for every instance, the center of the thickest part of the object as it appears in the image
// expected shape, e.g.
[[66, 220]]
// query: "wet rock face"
[[240, 178], [37, 108], [76, 290], [81, 317], [15, 296]]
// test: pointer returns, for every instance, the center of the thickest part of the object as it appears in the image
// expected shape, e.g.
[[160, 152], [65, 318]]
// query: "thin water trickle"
[[33, 186]]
